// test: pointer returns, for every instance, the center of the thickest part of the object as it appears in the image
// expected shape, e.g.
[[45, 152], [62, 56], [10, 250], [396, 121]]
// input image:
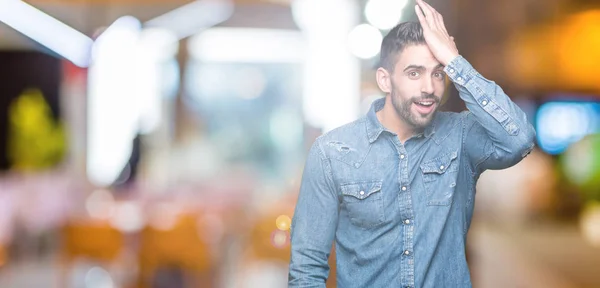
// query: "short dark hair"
[[404, 34]]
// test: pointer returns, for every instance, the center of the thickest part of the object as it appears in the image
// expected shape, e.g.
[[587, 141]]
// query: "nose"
[[427, 85]]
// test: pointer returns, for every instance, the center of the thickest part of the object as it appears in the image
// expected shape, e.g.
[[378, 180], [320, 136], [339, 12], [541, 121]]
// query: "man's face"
[[417, 85]]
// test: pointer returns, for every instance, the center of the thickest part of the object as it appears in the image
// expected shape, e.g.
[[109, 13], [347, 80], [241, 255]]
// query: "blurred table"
[[549, 255]]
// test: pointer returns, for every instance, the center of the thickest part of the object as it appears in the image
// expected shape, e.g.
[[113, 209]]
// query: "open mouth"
[[425, 106]]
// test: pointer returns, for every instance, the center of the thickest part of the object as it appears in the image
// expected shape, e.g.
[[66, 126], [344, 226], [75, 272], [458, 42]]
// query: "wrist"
[[449, 59]]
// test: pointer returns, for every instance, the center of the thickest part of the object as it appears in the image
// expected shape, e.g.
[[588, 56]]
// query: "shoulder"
[[346, 143]]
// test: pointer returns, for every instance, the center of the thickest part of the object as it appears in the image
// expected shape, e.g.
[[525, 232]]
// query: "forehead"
[[419, 55]]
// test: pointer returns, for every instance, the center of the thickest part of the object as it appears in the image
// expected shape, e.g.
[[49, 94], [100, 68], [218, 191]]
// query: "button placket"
[[405, 204]]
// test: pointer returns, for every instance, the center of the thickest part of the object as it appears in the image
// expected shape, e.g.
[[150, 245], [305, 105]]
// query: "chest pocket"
[[364, 203], [439, 179]]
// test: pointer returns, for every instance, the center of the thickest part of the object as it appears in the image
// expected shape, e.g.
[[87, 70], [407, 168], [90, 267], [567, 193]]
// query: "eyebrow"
[[420, 67]]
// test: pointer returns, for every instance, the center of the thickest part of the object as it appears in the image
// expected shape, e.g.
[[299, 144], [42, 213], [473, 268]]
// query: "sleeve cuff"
[[459, 70]]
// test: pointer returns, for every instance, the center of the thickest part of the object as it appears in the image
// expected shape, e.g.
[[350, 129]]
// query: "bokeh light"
[[590, 223], [283, 222], [100, 204], [581, 166], [384, 14], [280, 239], [128, 217], [98, 278], [560, 124], [365, 41]]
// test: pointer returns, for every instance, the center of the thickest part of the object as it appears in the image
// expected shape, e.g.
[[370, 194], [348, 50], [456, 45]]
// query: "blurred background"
[[160, 143]]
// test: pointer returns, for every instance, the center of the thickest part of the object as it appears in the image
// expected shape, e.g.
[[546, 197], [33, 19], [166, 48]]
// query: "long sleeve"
[[314, 222], [497, 133]]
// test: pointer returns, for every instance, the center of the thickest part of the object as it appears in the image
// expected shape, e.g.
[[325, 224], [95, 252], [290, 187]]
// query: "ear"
[[384, 80]]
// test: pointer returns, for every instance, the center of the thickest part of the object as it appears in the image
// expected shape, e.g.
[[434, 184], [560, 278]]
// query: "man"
[[395, 189]]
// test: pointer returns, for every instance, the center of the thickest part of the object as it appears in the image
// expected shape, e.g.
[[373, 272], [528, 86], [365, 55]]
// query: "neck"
[[389, 118]]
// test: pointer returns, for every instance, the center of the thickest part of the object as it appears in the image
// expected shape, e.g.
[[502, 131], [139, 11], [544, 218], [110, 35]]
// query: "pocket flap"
[[361, 190], [440, 164]]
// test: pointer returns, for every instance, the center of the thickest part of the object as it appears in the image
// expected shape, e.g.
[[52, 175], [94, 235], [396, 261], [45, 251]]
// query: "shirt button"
[[459, 78], [403, 188], [402, 156], [484, 102], [407, 221], [362, 192], [511, 127], [406, 252], [451, 70], [442, 167]]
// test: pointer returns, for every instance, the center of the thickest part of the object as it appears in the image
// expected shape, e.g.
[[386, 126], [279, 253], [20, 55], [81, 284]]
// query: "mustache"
[[426, 97]]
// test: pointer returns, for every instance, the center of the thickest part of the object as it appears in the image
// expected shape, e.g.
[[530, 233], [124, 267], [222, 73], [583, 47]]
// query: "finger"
[[428, 6], [428, 14], [439, 19], [421, 17]]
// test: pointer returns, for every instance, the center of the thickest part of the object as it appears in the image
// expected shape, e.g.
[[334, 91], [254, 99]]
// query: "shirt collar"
[[375, 128]]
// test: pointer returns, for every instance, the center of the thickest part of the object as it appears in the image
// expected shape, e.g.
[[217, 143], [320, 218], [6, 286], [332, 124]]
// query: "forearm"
[[312, 238], [314, 223], [308, 268], [504, 122]]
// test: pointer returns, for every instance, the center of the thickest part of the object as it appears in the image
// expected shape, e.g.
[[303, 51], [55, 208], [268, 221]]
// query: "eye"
[[439, 75], [413, 74]]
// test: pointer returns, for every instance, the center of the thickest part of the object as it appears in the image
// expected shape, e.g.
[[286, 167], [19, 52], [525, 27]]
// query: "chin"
[[423, 123], [419, 126]]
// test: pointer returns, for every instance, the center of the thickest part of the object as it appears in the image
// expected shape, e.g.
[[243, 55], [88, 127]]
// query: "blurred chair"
[[264, 246], [179, 247], [96, 241], [263, 249], [267, 242]]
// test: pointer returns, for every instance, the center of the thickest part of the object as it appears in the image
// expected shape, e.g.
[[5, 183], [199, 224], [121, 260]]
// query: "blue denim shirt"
[[399, 212]]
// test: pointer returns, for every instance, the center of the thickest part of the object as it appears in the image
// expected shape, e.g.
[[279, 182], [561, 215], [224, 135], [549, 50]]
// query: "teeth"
[[425, 103]]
